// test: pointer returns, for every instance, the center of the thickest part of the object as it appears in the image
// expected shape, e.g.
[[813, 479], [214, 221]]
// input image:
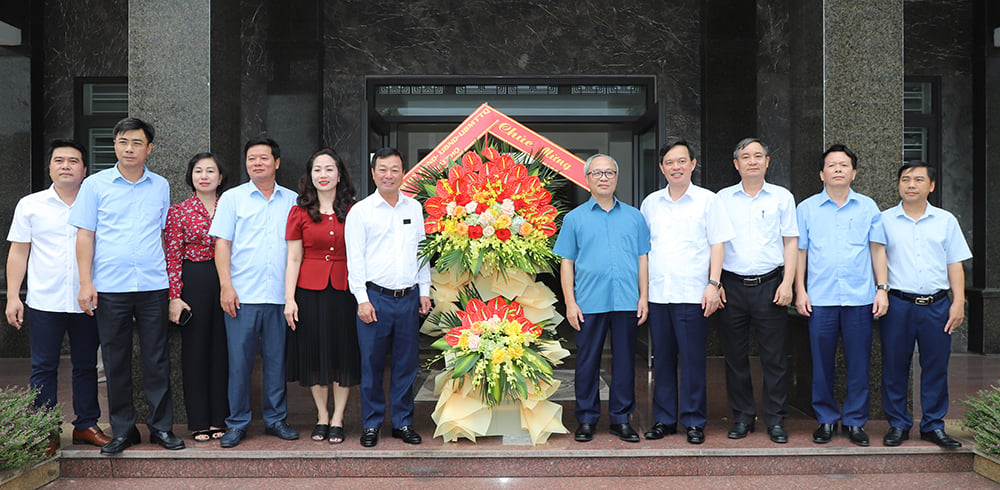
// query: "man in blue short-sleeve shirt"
[[120, 214], [250, 257], [925, 249], [842, 249], [604, 245]]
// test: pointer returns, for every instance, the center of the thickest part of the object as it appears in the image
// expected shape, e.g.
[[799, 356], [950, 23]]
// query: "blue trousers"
[[116, 314], [396, 332], [46, 335], [852, 324], [590, 346], [904, 324], [680, 333], [263, 325]]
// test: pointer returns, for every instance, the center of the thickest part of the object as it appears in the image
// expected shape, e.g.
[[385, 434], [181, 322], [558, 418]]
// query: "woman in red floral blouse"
[[322, 346], [194, 286]]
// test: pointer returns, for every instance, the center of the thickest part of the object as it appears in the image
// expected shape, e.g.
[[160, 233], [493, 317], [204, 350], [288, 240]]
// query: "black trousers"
[[204, 355], [752, 307], [116, 314]]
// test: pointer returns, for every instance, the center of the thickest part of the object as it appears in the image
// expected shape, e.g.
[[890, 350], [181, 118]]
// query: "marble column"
[[984, 296], [169, 67], [15, 139], [847, 87]]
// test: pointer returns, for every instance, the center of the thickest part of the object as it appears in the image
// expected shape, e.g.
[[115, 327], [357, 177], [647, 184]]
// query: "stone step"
[[471, 460]]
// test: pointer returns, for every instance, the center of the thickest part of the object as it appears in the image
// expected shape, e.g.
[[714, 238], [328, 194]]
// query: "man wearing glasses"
[[603, 245]]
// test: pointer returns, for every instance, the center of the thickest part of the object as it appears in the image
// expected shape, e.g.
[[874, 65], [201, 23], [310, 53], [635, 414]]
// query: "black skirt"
[[323, 348]]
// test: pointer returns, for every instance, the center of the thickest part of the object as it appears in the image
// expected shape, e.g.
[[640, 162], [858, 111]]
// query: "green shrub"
[[25, 430], [983, 419]]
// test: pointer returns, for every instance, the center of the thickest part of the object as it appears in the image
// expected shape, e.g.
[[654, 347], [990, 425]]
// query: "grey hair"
[[586, 165], [745, 142]]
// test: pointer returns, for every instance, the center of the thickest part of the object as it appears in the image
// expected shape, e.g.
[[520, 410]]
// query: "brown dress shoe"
[[91, 435], [53, 445]]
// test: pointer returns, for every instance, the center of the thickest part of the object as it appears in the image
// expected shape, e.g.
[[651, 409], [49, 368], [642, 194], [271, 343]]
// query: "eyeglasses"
[[597, 174]]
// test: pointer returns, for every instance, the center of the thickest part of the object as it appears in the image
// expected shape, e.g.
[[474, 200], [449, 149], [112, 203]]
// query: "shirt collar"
[[738, 189], [381, 200], [851, 196], [118, 174], [594, 205], [930, 212], [686, 195]]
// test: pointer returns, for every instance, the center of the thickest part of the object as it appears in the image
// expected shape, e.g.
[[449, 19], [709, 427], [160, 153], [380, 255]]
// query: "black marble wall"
[[479, 37]]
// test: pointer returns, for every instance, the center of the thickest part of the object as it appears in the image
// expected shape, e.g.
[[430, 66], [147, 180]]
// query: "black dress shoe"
[[856, 434], [778, 433], [407, 434], [895, 437], [167, 439], [232, 438], [624, 432], [824, 433], [658, 430], [740, 430], [369, 437], [696, 435], [584, 433], [283, 431], [939, 437], [123, 442]]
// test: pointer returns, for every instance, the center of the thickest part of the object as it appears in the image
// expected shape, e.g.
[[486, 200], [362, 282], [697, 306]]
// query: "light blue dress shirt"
[[605, 247], [127, 220], [919, 251], [256, 227], [839, 261]]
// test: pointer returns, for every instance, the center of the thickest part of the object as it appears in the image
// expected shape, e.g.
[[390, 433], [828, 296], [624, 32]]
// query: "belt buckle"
[[751, 281], [923, 300], [398, 293]]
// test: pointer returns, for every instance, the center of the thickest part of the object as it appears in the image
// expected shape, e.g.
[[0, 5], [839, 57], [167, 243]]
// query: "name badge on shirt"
[[406, 221]]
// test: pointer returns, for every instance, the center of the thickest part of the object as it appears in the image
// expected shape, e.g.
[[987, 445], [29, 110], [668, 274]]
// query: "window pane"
[[100, 141], [914, 144], [917, 97], [105, 98]]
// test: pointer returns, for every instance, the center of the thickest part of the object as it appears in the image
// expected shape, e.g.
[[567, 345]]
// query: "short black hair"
[[262, 140], [387, 152], [670, 146], [931, 171], [67, 143], [199, 157], [842, 148], [130, 123]]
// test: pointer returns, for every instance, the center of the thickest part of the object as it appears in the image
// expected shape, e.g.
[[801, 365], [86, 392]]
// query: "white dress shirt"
[[382, 245], [760, 223], [682, 233], [42, 219]]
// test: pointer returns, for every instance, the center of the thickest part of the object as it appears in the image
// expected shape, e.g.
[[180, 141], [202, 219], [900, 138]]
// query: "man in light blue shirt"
[[250, 256], [842, 243], [120, 214], [925, 249], [604, 245]]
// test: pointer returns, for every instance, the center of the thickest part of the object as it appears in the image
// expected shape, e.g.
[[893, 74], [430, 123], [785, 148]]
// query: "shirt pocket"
[[858, 231]]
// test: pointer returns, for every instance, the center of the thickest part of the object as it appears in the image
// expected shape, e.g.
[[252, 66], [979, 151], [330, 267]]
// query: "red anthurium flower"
[[476, 311], [491, 153], [470, 159], [436, 206], [453, 335], [548, 228], [432, 225]]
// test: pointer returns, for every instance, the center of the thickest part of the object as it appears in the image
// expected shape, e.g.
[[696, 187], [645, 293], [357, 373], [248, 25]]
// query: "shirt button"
[[331, 233], [331, 248]]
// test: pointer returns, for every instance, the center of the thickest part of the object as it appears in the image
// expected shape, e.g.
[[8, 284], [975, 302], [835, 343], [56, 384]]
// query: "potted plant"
[[25, 430], [983, 419]]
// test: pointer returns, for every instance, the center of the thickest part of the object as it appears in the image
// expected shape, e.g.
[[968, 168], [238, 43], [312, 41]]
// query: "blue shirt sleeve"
[[224, 222], [643, 229], [566, 245], [877, 232], [84, 211], [802, 216]]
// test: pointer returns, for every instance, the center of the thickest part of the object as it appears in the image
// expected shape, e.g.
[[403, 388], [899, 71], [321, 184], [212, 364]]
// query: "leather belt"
[[918, 299], [395, 293], [754, 281]]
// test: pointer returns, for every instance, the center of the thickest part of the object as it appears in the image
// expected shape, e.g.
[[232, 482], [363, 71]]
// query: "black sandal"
[[336, 435], [320, 432]]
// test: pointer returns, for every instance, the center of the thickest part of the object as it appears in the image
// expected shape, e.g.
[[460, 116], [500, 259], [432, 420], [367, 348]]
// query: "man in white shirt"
[[384, 274], [43, 245], [758, 273], [688, 229]]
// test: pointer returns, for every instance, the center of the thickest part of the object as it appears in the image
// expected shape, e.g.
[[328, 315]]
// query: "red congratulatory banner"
[[485, 120]]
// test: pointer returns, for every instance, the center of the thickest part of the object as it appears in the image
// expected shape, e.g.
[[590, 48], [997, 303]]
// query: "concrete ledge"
[[35, 476]]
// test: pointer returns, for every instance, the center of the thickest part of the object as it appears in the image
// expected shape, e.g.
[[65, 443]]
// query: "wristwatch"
[[715, 283], [883, 287]]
